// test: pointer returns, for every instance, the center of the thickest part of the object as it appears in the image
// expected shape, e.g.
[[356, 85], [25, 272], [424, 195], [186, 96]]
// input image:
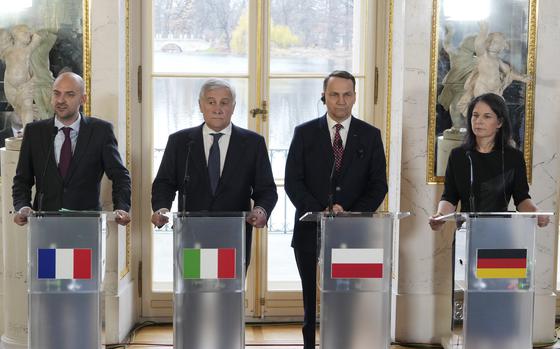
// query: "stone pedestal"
[[444, 148], [14, 241]]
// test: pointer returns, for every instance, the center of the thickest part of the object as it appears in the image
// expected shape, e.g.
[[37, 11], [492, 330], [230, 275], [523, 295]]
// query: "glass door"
[[307, 41], [276, 54]]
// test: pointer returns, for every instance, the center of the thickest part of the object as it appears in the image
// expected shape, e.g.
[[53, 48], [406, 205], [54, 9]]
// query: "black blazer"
[[7, 132], [360, 186], [96, 153], [246, 175]]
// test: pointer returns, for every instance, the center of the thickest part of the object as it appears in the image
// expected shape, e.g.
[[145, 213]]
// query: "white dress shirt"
[[223, 143], [343, 131], [59, 138]]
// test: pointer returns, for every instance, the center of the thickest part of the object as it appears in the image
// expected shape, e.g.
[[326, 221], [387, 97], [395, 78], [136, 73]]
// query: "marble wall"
[[108, 101], [423, 295]]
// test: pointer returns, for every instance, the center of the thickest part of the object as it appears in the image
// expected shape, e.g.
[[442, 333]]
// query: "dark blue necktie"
[[214, 162]]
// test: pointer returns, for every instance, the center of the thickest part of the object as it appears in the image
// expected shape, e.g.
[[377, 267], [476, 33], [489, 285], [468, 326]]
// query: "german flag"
[[501, 264]]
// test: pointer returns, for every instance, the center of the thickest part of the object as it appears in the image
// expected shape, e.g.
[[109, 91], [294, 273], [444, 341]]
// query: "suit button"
[[338, 188]]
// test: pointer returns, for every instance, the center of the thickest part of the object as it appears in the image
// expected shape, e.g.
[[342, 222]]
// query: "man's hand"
[[257, 217], [335, 209], [21, 216], [159, 219], [122, 217]]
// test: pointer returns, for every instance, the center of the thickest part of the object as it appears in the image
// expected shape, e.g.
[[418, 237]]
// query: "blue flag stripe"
[[46, 263]]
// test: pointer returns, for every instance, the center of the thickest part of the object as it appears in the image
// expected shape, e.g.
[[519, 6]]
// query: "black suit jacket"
[[7, 132], [360, 186], [246, 175], [96, 152]]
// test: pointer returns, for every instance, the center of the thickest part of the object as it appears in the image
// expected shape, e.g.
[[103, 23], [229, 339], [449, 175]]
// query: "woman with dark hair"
[[487, 170]]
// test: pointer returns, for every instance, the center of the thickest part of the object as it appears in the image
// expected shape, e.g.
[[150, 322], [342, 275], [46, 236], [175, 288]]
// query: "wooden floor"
[[268, 336]]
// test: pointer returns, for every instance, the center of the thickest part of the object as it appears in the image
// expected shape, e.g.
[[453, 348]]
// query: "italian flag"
[[209, 263], [357, 263]]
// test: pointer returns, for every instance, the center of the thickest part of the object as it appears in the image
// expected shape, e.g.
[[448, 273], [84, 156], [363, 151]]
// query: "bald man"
[[65, 158]]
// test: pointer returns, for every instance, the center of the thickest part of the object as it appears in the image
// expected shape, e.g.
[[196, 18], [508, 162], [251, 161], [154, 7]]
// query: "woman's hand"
[[436, 224], [542, 221]]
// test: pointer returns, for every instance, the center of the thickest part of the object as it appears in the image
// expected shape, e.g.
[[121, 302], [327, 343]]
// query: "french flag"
[[357, 263], [64, 263]]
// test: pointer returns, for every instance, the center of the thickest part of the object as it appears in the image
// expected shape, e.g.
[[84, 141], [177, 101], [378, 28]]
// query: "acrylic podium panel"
[[209, 280], [355, 264], [499, 295], [66, 258]]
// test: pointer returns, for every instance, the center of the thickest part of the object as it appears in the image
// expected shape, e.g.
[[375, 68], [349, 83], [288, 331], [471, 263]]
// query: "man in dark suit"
[[7, 132], [227, 165], [65, 158], [335, 154], [12, 128]]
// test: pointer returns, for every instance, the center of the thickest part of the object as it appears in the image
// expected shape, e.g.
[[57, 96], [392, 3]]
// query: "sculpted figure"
[[491, 74], [462, 63], [27, 80]]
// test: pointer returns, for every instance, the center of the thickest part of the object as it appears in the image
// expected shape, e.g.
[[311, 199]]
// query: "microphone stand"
[[186, 179], [471, 194], [331, 194], [41, 193]]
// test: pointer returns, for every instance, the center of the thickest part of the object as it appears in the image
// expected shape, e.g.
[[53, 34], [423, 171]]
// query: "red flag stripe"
[[501, 263], [357, 271], [226, 263], [82, 263]]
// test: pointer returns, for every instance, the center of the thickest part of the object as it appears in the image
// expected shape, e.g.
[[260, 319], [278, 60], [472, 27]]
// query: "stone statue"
[[491, 73], [42, 75], [27, 79], [462, 62]]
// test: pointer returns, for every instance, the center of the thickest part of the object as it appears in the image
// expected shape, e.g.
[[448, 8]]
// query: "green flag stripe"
[[191, 263]]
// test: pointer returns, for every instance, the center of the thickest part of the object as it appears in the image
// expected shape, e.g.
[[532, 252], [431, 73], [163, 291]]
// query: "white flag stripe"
[[208, 263], [357, 255], [64, 263]]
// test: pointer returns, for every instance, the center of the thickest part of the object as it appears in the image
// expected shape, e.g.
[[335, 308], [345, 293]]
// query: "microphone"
[[187, 177], [471, 194], [41, 193]]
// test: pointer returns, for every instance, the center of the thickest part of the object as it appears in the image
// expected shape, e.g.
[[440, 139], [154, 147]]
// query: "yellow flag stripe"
[[501, 273]]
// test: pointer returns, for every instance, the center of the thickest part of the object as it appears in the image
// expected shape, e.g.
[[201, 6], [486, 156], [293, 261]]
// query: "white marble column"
[[108, 101], [14, 241], [546, 165]]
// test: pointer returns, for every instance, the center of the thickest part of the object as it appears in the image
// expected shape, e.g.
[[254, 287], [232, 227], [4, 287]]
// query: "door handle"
[[260, 111]]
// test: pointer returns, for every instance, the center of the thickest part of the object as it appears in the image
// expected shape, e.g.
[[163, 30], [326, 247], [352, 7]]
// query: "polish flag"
[[357, 263]]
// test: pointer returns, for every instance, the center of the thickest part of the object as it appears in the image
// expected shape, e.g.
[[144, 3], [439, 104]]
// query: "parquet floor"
[[268, 336]]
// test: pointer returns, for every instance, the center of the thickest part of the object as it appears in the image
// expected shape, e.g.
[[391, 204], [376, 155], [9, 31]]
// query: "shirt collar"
[[345, 124], [74, 126], [207, 130]]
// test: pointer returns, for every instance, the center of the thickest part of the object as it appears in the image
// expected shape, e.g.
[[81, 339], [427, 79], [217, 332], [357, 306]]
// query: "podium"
[[499, 281], [355, 266], [209, 280], [66, 259]]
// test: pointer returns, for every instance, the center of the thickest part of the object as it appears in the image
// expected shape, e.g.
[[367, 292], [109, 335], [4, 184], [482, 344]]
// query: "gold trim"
[[530, 94], [431, 177], [86, 52], [258, 310], [126, 269], [389, 94]]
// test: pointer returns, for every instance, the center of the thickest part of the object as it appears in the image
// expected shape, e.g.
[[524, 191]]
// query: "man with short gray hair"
[[227, 166]]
